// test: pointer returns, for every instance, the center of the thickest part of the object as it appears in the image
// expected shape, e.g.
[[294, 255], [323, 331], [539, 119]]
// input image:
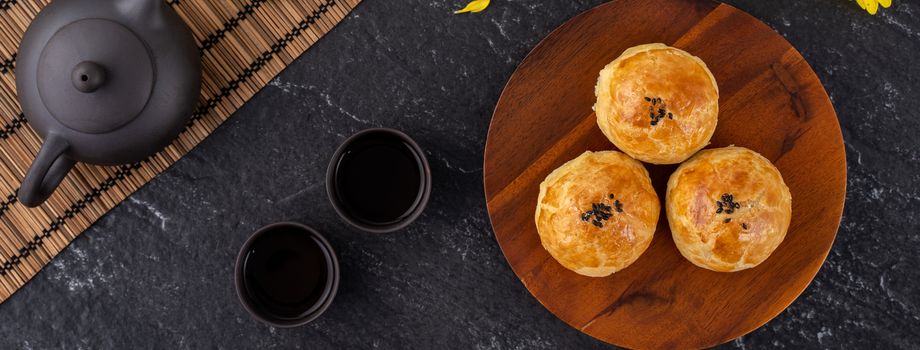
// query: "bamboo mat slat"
[[243, 45]]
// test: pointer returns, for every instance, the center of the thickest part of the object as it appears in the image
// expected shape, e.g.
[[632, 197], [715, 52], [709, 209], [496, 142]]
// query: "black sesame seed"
[[599, 213], [727, 220], [744, 226], [647, 98], [727, 204], [611, 196]]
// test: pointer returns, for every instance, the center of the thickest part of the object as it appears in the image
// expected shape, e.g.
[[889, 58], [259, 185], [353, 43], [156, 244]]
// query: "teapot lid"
[[94, 75]]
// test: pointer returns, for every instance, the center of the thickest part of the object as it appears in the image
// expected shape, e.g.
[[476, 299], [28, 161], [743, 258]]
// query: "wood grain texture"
[[770, 101]]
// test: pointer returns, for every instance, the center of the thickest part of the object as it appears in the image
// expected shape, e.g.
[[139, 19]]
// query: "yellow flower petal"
[[474, 6], [884, 3], [862, 3], [872, 6]]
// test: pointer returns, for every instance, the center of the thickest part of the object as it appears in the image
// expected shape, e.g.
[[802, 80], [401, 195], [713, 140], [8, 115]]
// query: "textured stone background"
[[157, 270]]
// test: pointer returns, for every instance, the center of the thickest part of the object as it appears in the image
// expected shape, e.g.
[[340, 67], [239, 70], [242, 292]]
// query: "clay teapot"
[[105, 82]]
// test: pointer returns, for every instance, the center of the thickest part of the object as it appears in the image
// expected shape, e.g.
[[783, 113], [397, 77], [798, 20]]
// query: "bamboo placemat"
[[243, 45]]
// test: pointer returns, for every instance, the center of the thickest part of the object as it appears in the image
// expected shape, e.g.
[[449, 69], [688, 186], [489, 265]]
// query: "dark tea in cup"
[[286, 274], [379, 180]]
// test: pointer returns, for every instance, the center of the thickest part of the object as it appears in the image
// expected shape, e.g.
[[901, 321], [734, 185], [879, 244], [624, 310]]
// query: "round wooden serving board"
[[771, 102]]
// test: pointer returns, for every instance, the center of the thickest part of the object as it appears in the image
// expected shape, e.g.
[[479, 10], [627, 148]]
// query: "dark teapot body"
[[103, 82]]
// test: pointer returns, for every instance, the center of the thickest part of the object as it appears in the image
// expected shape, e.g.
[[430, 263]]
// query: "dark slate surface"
[[157, 270]]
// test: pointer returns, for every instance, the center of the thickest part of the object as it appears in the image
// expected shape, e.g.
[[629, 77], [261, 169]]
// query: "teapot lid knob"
[[87, 76]]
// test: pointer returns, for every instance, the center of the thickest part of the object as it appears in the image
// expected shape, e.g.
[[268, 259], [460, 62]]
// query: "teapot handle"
[[46, 172]]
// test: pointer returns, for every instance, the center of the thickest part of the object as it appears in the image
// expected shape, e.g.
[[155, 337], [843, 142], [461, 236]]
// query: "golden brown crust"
[[567, 225], [751, 223], [685, 87]]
